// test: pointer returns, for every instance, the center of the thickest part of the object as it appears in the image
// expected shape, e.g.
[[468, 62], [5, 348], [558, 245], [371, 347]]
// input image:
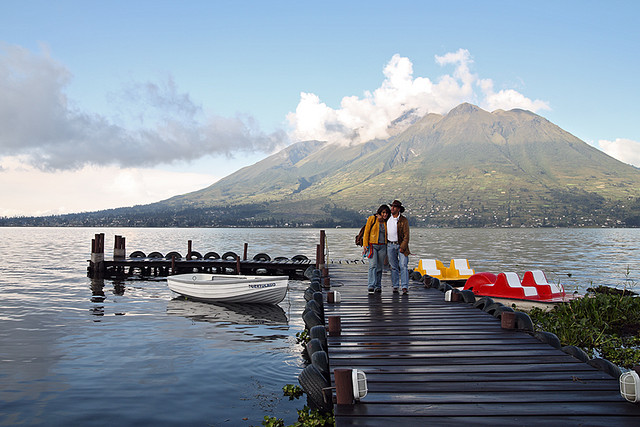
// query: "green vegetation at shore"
[[603, 325]]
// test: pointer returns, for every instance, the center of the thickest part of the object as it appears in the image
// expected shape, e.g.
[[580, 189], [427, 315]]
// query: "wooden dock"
[[432, 362], [139, 265]]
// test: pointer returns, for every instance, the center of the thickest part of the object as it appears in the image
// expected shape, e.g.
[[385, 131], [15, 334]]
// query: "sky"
[[117, 103]]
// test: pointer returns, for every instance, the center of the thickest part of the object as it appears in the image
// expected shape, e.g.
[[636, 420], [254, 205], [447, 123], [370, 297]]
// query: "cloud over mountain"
[[363, 119], [625, 150], [40, 125]]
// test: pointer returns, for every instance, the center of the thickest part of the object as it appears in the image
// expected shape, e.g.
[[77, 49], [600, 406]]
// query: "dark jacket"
[[403, 234]]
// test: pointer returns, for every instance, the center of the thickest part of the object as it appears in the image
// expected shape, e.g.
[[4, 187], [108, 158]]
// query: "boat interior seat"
[[539, 279], [431, 267], [513, 281], [461, 265]]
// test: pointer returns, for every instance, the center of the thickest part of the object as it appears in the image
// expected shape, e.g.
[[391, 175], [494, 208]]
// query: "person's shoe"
[[370, 290], [405, 291], [378, 290], [395, 290]]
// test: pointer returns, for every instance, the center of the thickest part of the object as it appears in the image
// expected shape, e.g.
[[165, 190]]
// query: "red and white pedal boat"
[[507, 287]]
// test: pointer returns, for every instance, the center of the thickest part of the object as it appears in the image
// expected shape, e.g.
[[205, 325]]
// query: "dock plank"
[[432, 362]]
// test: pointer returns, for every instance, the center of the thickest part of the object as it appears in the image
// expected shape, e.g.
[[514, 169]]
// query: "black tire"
[[312, 382], [155, 255], [281, 258], [315, 307], [318, 298], [312, 319], [299, 258], [427, 280], [195, 255], [314, 345], [468, 296], [320, 359], [523, 321], [211, 255], [547, 337], [319, 332], [483, 302], [308, 294], [230, 256], [308, 272], [415, 276], [137, 254], [491, 309], [315, 285], [173, 254], [576, 352], [444, 287], [605, 366], [261, 257]]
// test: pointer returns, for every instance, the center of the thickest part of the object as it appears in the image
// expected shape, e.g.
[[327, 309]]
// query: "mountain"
[[469, 167]]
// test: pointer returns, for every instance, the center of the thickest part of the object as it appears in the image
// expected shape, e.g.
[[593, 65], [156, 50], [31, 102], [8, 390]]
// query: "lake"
[[77, 352]]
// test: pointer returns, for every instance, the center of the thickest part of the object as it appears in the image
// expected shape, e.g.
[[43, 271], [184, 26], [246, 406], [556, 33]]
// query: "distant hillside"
[[469, 167]]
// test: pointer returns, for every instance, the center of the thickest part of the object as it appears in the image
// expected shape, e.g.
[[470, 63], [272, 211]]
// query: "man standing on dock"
[[398, 247]]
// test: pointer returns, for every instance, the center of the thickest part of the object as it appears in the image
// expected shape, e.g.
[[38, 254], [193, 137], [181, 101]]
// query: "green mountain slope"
[[468, 167]]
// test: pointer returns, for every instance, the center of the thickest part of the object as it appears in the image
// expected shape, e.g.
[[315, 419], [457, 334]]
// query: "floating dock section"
[[139, 265]]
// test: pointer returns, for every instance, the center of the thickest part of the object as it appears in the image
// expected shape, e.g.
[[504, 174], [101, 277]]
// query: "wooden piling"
[[96, 265], [508, 320], [335, 327], [344, 386], [119, 248]]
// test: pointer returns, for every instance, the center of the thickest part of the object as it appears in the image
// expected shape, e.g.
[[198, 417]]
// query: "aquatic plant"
[[603, 324], [306, 415], [302, 337]]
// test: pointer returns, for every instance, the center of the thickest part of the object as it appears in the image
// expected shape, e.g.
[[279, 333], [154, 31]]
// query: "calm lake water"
[[75, 352]]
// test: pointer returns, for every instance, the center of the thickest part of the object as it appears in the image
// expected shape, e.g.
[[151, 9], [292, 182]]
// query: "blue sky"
[[107, 104]]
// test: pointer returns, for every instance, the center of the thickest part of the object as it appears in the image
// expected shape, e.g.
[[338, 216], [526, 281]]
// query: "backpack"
[[360, 236]]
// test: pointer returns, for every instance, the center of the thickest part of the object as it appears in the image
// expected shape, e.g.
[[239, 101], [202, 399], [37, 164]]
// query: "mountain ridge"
[[466, 168], [482, 161]]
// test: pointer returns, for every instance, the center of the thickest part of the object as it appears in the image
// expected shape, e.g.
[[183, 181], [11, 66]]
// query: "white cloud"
[[625, 150], [26, 190], [38, 122], [363, 119]]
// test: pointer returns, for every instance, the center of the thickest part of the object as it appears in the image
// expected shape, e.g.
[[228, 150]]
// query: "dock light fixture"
[[630, 386], [359, 381]]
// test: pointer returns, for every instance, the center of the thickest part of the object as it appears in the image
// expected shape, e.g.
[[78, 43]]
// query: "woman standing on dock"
[[374, 242]]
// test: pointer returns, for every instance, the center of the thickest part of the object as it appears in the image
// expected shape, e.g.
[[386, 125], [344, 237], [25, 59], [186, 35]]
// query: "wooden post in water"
[[246, 247], [321, 265], [97, 255], [318, 256], [344, 386], [238, 265], [119, 248], [189, 249]]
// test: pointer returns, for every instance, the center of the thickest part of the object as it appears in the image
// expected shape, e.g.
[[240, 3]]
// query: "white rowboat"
[[230, 288]]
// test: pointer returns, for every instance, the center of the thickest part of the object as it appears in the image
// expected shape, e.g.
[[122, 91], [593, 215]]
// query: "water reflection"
[[238, 314], [97, 290]]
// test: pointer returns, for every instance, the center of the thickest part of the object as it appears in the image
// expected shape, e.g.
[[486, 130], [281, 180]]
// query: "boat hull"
[[230, 288]]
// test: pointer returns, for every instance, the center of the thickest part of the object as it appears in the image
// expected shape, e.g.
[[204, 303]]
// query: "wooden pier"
[[432, 362], [139, 265]]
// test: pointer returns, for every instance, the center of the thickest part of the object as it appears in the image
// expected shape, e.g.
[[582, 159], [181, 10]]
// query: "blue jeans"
[[399, 263], [376, 264]]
